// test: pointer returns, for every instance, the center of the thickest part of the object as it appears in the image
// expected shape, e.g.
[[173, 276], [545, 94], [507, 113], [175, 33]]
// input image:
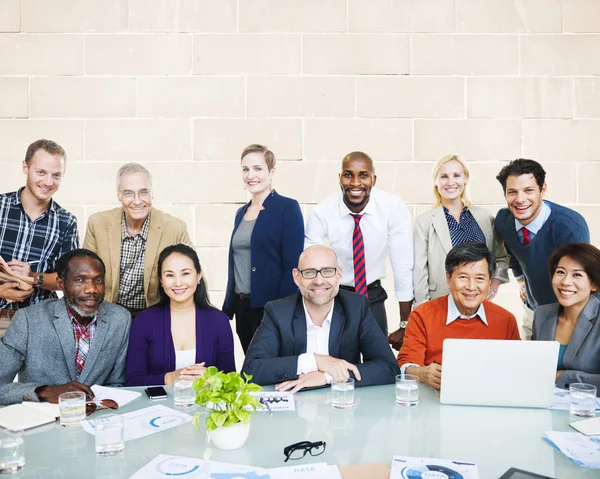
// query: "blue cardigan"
[[276, 243]]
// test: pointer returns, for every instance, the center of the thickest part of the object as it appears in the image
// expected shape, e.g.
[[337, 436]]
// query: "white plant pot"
[[231, 437]]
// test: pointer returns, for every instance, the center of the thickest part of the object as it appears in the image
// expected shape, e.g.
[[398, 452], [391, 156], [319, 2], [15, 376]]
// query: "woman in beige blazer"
[[452, 221]]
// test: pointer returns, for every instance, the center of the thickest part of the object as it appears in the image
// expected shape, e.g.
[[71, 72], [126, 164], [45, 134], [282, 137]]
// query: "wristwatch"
[[403, 324], [40, 279]]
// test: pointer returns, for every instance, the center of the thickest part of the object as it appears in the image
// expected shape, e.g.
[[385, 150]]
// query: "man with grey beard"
[[67, 344]]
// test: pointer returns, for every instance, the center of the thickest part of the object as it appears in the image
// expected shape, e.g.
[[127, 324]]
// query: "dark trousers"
[[247, 319], [377, 297]]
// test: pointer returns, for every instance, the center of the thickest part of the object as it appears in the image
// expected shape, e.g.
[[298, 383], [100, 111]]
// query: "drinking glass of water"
[[407, 390], [109, 431], [12, 452], [342, 393], [183, 393], [72, 408], [583, 400]]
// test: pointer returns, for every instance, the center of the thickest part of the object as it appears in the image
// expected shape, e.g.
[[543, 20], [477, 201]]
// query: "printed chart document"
[[144, 422], [583, 450], [404, 467], [305, 471], [122, 396], [562, 400]]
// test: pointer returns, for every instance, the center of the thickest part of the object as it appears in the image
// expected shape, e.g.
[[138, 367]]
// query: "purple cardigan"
[[151, 353]]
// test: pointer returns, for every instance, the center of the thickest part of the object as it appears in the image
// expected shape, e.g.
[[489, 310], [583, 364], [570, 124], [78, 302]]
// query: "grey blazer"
[[40, 346], [581, 361], [431, 246]]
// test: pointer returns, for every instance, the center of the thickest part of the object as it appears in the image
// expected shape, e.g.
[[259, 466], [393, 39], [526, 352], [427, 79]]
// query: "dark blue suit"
[[281, 338]]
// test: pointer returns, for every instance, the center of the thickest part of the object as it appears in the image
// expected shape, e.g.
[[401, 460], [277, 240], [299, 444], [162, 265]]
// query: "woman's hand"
[[494, 285], [189, 373]]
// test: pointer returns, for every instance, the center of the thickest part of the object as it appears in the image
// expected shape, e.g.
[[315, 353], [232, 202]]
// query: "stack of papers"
[[28, 414], [404, 466], [583, 450]]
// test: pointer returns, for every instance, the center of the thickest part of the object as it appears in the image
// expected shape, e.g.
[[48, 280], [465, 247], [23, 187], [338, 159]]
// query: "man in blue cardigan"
[[532, 228]]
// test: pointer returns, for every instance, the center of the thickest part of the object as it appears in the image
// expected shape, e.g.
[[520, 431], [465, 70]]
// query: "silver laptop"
[[483, 372]]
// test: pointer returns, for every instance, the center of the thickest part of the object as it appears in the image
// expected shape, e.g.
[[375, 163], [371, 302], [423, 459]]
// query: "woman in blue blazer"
[[575, 320], [267, 239]]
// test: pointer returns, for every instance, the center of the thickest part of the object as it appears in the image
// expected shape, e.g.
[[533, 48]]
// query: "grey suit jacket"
[[40, 346], [581, 361], [431, 246]]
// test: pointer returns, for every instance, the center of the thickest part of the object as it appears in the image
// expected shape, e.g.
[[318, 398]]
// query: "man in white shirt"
[[364, 225], [319, 333]]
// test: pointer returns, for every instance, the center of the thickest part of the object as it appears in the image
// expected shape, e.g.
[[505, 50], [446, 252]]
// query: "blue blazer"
[[273, 353], [276, 243]]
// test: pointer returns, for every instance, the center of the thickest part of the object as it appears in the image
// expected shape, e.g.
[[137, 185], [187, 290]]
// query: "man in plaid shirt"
[[35, 230]]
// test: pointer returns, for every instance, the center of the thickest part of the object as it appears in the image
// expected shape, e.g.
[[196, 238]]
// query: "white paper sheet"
[[164, 466], [305, 471], [122, 396], [583, 450], [405, 467], [144, 422]]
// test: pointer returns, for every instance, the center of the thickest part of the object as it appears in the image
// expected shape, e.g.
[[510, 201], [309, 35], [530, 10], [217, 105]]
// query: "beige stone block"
[[300, 96], [323, 180], [74, 16], [10, 15], [410, 97], [257, 54], [409, 180], [360, 54], [41, 54], [520, 97], [475, 140], [12, 174], [560, 55], [508, 16], [226, 139], [82, 97], [90, 184], [138, 140], [382, 140], [214, 224], [587, 97], [183, 15], [581, 16], [214, 266], [292, 16], [587, 192], [484, 187], [156, 54], [186, 213], [561, 140], [401, 16], [190, 97], [465, 55], [17, 135], [14, 97], [561, 179], [591, 214]]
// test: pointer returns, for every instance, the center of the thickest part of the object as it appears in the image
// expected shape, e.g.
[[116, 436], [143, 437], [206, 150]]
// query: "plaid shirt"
[[40, 242], [84, 336], [131, 281]]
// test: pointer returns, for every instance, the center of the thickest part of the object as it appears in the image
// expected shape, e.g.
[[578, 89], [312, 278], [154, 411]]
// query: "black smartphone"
[[514, 473], [156, 392]]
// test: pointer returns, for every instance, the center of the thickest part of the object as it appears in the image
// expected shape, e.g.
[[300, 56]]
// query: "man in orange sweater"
[[463, 313]]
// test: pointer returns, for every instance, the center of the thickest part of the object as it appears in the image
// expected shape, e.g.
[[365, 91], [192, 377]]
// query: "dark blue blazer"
[[276, 243], [273, 353]]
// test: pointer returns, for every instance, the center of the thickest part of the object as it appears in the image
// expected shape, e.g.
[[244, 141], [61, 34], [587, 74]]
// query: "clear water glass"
[[12, 451], [342, 394], [583, 400], [72, 409], [407, 390], [109, 432], [183, 393]]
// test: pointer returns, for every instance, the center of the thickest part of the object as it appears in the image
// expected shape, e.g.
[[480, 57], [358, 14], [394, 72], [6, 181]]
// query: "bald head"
[[356, 180], [358, 155], [316, 255]]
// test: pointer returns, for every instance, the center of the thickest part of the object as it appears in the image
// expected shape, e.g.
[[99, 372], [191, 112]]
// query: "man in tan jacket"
[[130, 238]]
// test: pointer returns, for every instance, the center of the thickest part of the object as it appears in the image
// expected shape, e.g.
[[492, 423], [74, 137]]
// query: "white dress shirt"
[[317, 342], [386, 228]]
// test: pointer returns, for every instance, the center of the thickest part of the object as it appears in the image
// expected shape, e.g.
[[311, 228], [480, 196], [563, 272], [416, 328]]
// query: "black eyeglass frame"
[[317, 271], [307, 446]]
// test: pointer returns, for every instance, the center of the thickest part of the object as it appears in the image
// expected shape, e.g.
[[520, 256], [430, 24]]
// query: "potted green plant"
[[228, 399]]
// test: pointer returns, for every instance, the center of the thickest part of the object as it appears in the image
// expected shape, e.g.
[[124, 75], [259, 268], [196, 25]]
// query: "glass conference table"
[[373, 431]]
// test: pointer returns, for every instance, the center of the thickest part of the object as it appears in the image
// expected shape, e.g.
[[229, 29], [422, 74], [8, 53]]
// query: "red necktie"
[[526, 238], [358, 250]]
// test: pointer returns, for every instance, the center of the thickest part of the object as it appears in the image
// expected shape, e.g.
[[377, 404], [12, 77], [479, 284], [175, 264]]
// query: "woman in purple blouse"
[[183, 334]]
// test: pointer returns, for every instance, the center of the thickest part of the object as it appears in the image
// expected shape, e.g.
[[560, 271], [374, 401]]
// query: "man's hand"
[[316, 378], [51, 393], [10, 292], [522, 289], [431, 374], [20, 267], [336, 368], [397, 338], [494, 285], [189, 373]]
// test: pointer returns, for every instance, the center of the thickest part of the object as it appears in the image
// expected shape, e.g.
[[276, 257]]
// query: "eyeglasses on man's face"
[[300, 449], [142, 194], [312, 273]]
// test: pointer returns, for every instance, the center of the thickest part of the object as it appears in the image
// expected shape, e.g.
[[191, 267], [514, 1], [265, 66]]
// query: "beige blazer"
[[103, 236], [432, 243]]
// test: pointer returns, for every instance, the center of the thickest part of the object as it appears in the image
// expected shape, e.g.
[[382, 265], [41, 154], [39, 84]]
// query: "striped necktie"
[[358, 253]]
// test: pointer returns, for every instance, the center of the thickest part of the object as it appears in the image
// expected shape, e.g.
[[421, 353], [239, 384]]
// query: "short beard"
[[80, 312]]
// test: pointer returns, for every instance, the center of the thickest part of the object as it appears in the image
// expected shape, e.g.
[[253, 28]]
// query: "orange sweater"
[[427, 330]]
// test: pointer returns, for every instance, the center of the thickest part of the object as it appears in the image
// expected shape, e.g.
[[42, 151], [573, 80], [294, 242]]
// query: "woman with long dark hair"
[[183, 334]]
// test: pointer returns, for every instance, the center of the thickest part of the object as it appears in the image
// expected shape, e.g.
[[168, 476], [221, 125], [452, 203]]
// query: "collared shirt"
[[467, 230], [39, 242], [536, 224], [131, 281], [454, 313], [82, 333], [386, 228], [317, 342]]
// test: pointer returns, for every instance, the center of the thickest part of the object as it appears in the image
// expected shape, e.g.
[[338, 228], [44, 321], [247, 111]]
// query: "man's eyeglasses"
[[142, 194], [300, 449], [93, 406], [312, 273]]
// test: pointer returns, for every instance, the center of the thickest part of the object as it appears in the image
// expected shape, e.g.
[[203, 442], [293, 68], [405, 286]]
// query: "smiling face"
[[469, 285], [83, 287], [451, 181], [44, 174], [524, 197], [571, 284], [179, 278], [356, 180], [318, 291], [256, 174], [135, 194]]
